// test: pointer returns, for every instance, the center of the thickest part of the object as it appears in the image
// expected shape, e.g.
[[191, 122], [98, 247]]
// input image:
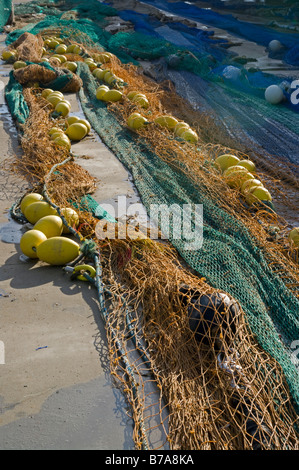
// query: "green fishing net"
[[5, 12]]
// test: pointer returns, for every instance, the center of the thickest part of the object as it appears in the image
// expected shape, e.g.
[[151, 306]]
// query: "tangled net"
[[216, 388], [199, 379]]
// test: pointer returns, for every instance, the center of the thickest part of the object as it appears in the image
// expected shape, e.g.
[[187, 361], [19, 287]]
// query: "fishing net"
[[199, 339], [198, 385], [5, 12], [262, 34]]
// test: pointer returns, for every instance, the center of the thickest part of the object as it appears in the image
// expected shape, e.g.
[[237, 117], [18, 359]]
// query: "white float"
[[274, 94], [275, 45]]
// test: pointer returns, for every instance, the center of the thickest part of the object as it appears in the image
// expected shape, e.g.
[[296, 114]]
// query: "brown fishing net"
[[201, 380], [47, 76], [29, 47]]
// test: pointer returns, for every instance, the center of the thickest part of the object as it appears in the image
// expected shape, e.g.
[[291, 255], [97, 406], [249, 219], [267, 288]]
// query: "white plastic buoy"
[[231, 73], [274, 94], [275, 45]]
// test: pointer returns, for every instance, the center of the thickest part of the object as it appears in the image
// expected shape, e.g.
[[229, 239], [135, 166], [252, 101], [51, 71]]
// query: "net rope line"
[[112, 339]]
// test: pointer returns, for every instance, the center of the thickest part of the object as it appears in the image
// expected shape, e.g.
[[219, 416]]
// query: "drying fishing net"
[[199, 340], [199, 379], [262, 34], [5, 12]]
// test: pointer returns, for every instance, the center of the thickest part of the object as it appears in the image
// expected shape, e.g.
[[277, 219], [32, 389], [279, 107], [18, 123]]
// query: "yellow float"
[[225, 161], [76, 131], [30, 199], [71, 218], [37, 210], [30, 241], [51, 226], [166, 121], [58, 251]]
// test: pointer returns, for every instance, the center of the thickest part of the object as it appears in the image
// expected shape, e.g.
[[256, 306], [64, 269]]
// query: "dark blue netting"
[[258, 33], [222, 66]]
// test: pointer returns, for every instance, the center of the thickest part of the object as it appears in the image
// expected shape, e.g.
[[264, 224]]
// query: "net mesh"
[[5, 12], [199, 339], [200, 386]]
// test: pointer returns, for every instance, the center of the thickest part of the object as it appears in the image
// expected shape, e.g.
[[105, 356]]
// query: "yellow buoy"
[[54, 99], [141, 100], [233, 169], [46, 92], [294, 236], [72, 66], [112, 95], [19, 64], [77, 50], [57, 134], [248, 164], [58, 251], [71, 218], [76, 131], [225, 161], [86, 123], [51, 226], [189, 135], [258, 193], [104, 57], [101, 90], [166, 121], [37, 210], [181, 127], [53, 44], [132, 116], [63, 141], [237, 178], [247, 185], [84, 268], [7, 55], [99, 73], [111, 79], [63, 108], [131, 94], [72, 119], [70, 48], [137, 122], [60, 49], [30, 199], [30, 241]]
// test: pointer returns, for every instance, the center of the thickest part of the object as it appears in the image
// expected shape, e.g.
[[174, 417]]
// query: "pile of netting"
[[200, 339], [199, 378]]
